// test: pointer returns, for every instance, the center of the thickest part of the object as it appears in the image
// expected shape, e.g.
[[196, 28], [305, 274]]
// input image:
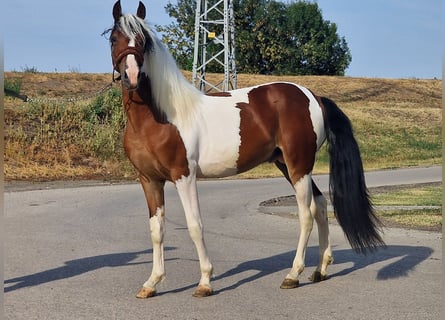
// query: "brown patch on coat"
[[276, 126], [154, 146], [219, 94]]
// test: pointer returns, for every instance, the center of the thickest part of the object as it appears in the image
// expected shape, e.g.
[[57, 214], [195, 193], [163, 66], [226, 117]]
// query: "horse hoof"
[[289, 284], [145, 293], [203, 291], [317, 277]]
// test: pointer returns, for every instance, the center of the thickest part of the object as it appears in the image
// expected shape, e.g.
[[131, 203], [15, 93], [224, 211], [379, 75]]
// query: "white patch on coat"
[[157, 230], [214, 140], [157, 227], [316, 116]]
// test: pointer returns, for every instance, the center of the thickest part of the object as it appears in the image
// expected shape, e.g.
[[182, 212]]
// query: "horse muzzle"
[[131, 80]]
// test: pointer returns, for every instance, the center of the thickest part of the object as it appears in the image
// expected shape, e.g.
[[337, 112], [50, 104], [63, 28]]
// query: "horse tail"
[[349, 194]]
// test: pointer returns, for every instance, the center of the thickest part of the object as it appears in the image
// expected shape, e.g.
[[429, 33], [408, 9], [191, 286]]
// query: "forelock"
[[132, 26]]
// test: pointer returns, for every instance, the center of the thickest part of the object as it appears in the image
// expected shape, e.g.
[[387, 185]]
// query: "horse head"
[[129, 42]]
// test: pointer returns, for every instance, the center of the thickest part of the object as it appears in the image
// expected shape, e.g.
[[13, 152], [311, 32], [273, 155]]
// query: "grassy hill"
[[70, 131]]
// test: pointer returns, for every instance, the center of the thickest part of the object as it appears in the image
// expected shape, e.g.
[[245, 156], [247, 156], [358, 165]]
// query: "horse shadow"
[[77, 267], [406, 260]]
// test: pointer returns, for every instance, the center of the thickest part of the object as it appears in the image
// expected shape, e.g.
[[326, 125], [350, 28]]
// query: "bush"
[[105, 123], [13, 86], [28, 69], [86, 133]]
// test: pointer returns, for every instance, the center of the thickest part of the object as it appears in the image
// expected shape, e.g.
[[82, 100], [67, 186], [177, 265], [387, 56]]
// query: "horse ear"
[[117, 11], [141, 11]]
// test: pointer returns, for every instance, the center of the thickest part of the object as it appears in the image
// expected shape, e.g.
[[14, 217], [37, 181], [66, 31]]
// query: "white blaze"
[[132, 66]]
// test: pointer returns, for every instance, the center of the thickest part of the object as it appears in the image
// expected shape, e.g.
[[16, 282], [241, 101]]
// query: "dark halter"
[[129, 50]]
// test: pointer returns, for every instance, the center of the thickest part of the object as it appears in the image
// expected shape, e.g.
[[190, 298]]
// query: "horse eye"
[[113, 40]]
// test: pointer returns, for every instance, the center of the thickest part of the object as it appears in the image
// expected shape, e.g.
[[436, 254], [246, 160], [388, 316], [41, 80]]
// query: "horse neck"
[[140, 109]]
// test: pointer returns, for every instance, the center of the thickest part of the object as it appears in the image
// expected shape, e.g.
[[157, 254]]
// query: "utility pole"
[[214, 43]]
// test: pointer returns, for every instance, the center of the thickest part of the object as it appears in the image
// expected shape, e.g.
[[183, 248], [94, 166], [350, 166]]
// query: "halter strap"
[[129, 50]]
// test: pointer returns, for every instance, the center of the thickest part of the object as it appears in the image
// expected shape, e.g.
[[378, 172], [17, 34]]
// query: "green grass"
[[423, 196], [417, 218], [12, 86], [412, 145], [417, 196], [425, 218]]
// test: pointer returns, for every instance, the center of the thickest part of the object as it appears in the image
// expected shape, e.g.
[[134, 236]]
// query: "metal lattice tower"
[[214, 43]]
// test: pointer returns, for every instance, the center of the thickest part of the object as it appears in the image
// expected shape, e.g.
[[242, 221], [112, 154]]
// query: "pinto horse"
[[176, 133]]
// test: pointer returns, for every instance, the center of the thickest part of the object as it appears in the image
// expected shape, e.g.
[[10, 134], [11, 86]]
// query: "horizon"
[[240, 73], [389, 39]]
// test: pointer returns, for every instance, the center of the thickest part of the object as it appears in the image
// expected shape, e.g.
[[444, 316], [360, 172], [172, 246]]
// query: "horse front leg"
[[188, 194], [154, 194]]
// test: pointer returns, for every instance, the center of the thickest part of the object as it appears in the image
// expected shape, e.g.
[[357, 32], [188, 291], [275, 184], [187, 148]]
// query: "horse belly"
[[219, 141]]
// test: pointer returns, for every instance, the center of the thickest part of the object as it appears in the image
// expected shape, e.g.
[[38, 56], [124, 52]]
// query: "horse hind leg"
[[303, 189], [319, 211]]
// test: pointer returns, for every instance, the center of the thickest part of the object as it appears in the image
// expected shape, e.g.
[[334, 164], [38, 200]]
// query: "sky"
[[387, 38]]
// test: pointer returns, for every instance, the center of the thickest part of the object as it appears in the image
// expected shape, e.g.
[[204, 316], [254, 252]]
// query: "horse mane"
[[173, 95]]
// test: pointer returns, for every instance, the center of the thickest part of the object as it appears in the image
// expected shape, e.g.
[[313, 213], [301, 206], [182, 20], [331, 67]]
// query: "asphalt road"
[[83, 253]]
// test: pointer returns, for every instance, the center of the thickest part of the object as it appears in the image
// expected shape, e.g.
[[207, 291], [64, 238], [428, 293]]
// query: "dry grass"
[[56, 85], [397, 123]]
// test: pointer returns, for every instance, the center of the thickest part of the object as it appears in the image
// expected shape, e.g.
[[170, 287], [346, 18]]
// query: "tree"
[[259, 34], [314, 42], [179, 36], [272, 37]]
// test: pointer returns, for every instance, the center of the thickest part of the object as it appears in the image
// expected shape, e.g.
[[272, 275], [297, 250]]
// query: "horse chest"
[[157, 151]]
